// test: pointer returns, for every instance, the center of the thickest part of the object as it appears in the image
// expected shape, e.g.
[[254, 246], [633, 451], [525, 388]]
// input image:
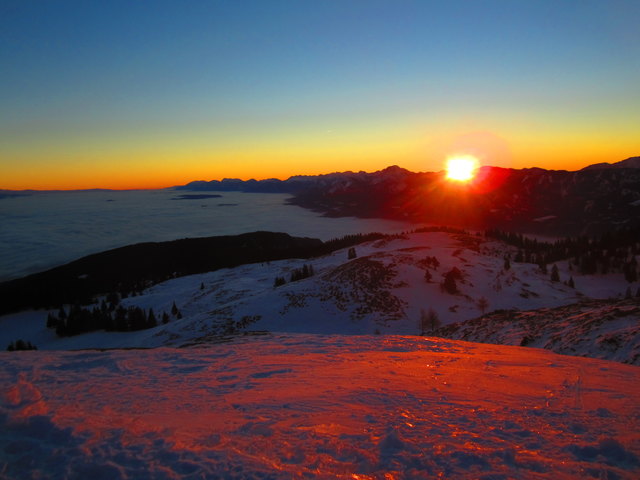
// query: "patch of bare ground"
[[367, 284]]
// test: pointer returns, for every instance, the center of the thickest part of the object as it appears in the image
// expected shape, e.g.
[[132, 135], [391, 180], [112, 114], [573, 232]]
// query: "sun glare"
[[461, 169]]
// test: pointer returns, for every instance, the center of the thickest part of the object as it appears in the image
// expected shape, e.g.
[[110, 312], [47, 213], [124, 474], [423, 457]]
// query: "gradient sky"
[[152, 93]]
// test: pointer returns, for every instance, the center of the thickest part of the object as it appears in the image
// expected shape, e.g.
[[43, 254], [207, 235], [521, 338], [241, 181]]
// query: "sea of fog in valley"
[[45, 229]]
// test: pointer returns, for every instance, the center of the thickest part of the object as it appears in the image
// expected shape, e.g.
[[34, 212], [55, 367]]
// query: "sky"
[[148, 94]]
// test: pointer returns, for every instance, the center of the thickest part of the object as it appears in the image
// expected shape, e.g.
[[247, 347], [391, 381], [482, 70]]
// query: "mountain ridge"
[[532, 200], [631, 162]]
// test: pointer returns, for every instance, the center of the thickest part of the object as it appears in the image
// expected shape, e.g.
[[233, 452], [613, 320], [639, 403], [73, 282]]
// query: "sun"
[[462, 169]]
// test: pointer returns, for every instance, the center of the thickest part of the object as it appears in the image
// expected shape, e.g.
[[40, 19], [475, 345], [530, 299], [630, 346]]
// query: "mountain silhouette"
[[590, 201]]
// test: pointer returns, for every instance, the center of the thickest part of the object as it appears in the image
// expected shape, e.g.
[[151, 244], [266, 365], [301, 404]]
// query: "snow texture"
[[608, 329], [292, 406], [383, 291]]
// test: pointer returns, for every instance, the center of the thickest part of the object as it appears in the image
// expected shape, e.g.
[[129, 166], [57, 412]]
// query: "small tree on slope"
[[483, 304]]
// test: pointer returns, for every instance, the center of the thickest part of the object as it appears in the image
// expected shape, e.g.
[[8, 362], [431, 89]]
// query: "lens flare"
[[462, 169]]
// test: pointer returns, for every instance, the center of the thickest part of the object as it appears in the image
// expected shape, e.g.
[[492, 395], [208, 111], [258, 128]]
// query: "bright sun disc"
[[461, 169]]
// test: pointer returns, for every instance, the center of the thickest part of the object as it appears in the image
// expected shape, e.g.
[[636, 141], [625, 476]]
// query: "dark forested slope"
[[133, 267]]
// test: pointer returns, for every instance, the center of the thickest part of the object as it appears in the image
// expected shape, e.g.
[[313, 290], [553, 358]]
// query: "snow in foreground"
[[303, 406]]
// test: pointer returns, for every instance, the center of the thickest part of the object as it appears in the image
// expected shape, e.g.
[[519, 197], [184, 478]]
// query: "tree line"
[[110, 316], [19, 345], [301, 273], [612, 252]]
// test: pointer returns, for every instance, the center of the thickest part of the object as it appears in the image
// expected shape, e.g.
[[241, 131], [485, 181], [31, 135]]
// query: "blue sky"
[[220, 85]]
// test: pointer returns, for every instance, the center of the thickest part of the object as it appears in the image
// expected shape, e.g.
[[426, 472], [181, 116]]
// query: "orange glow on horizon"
[[127, 167]]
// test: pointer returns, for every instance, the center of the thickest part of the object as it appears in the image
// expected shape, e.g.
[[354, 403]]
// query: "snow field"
[[382, 291], [607, 329], [285, 406]]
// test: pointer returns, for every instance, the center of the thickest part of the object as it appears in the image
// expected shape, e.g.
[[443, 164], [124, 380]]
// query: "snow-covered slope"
[[302, 406], [383, 291], [607, 329]]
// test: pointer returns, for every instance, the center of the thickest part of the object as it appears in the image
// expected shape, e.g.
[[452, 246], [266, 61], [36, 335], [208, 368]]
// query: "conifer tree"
[[151, 319], [449, 283], [20, 345], [432, 319], [429, 321], [52, 321], [630, 270], [555, 275], [120, 321], [423, 324], [108, 322], [113, 298], [427, 276], [483, 304], [137, 318]]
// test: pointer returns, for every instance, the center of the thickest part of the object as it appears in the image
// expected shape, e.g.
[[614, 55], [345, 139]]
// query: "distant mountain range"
[[533, 200], [633, 162]]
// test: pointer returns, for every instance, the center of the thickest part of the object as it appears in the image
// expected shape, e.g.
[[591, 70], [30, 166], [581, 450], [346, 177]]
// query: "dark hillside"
[[551, 202], [134, 267], [590, 201]]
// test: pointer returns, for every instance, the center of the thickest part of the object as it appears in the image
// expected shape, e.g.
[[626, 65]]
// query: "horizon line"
[[107, 189]]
